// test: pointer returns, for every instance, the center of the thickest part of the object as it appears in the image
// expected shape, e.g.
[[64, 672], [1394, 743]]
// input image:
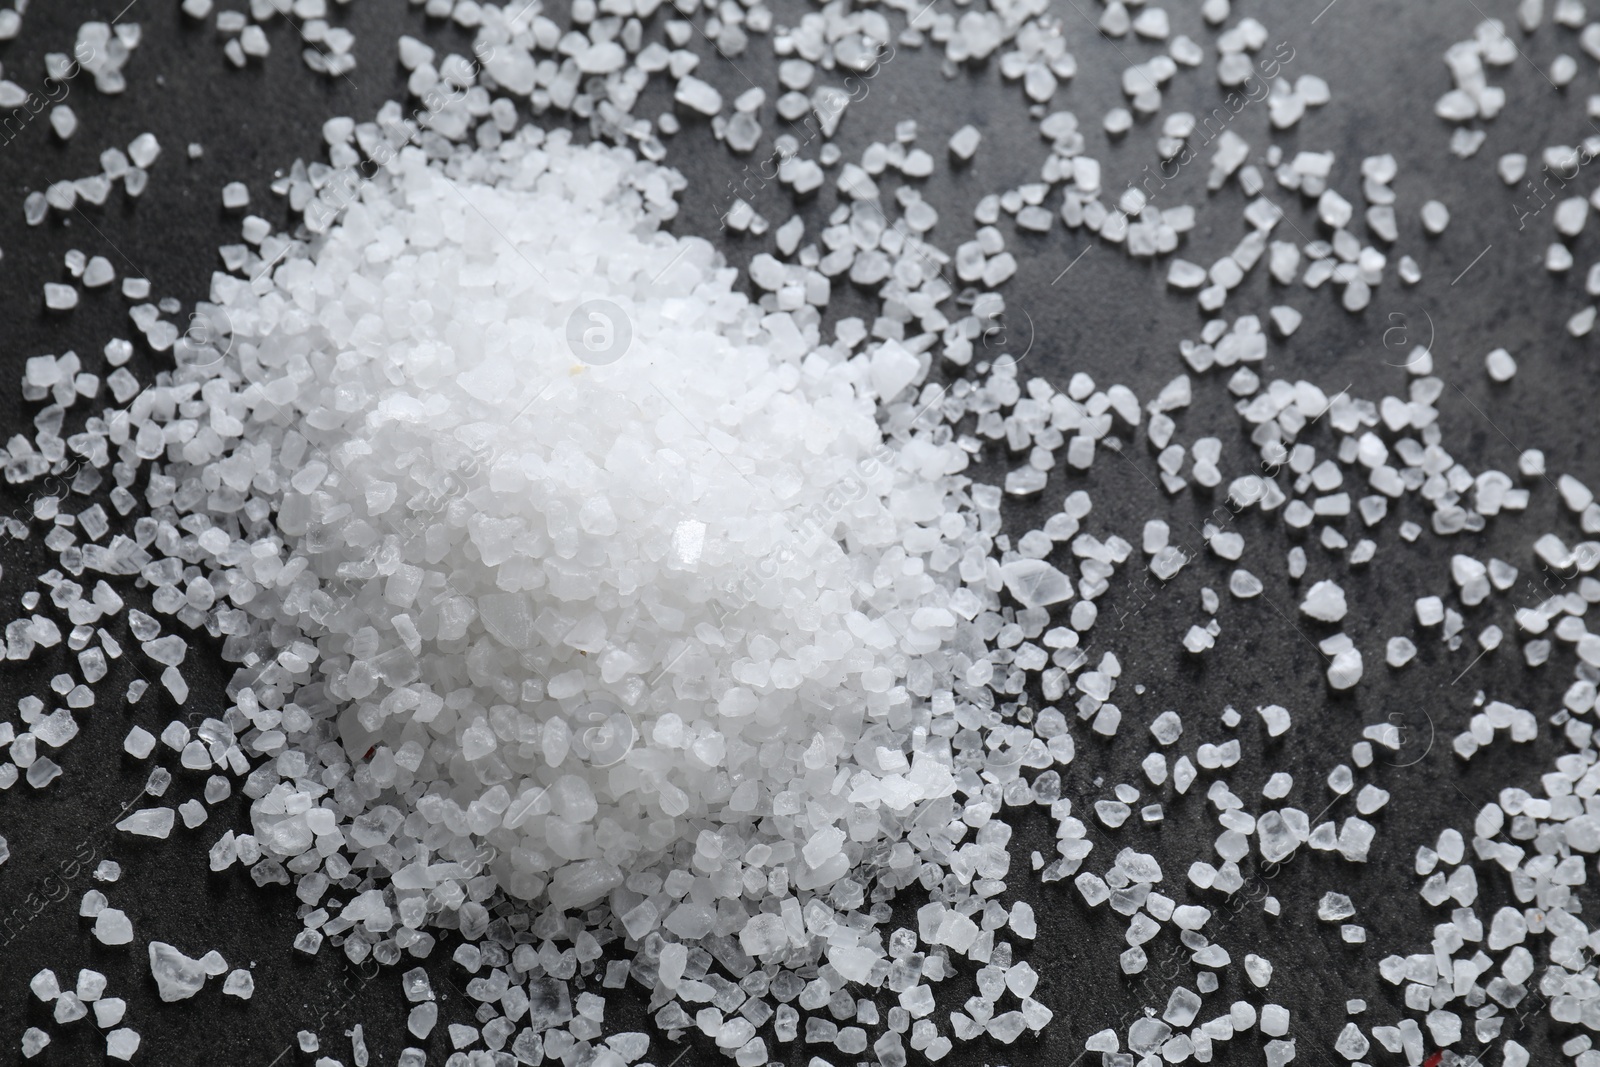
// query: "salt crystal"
[[698, 95], [60, 297], [34, 1041], [108, 1011], [1500, 365], [45, 986], [122, 1043], [177, 976], [143, 150], [1435, 217], [149, 822], [1400, 651], [111, 927]]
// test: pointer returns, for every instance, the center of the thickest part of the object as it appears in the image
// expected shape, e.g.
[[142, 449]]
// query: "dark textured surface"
[[1108, 316]]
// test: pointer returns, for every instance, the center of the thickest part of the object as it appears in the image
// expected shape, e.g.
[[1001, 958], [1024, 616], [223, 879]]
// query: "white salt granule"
[[149, 822], [45, 986], [1500, 365], [1435, 217], [122, 1043], [63, 121], [177, 976], [143, 150], [108, 1011], [1325, 601], [964, 142], [1400, 651], [34, 1041], [111, 927], [698, 95]]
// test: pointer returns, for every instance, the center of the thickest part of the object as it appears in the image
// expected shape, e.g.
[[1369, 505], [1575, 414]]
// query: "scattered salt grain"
[[1500, 365], [122, 1043], [149, 822], [60, 297], [964, 142], [1435, 217], [111, 927]]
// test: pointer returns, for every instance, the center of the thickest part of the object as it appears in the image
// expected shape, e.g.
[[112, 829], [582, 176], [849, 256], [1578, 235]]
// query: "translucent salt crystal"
[[1035, 583], [34, 1041], [1500, 365], [1334, 906], [1324, 601], [108, 1011], [1435, 217], [177, 976], [43, 772], [1167, 562], [1371, 799], [63, 122], [422, 1019], [143, 150], [698, 95], [122, 1043], [69, 1008], [1508, 928], [169, 650], [151, 822], [91, 985], [60, 297], [45, 986], [1006, 1027], [235, 195], [762, 934], [175, 684], [1400, 651], [195, 756], [1244, 585], [1025, 480], [964, 142], [1276, 718], [1112, 813], [1345, 669], [99, 273], [1182, 1007], [1167, 727], [193, 813], [111, 927]]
